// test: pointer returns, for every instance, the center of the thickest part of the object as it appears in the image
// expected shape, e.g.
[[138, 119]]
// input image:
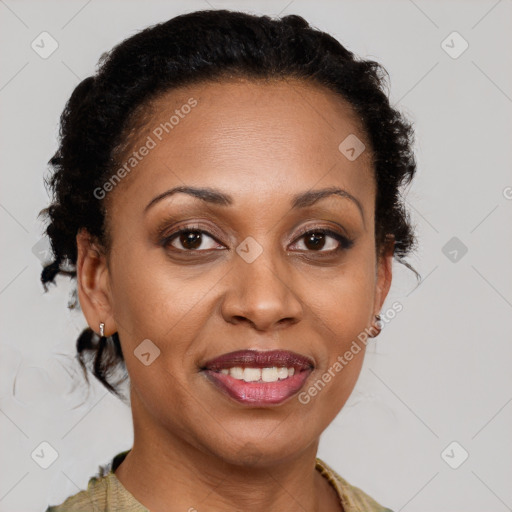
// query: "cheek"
[[155, 299], [341, 311], [344, 302], [164, 398], [331, 385]]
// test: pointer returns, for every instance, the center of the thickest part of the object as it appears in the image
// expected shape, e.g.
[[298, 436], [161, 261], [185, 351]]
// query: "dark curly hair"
[[199, 47]]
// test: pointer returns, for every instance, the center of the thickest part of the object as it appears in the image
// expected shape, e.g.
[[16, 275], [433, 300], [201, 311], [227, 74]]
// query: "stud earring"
[[378, 326], [102, 329]]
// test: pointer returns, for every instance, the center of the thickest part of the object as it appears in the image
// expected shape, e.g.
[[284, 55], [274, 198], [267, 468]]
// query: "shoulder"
[[102, 491], [352, 498], [94, 498]]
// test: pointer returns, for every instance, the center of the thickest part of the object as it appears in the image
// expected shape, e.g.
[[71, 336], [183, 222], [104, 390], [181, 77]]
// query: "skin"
[[261, 143]]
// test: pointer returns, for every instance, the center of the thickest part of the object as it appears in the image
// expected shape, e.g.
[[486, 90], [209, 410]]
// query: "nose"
[[262, 294]]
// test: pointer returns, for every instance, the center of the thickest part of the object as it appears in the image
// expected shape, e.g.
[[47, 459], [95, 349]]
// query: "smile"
[[259, 379], [259, 374]]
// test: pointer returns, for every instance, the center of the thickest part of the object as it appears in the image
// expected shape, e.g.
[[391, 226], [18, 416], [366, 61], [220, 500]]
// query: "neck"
[[162, 468]]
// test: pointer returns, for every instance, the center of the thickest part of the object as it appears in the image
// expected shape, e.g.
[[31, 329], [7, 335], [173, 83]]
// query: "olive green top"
[[105, 493]]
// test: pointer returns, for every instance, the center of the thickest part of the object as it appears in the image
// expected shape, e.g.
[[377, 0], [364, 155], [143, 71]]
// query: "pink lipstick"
[[257, 378]]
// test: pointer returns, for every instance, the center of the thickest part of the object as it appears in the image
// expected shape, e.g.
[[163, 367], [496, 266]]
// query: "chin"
[[260, 451]]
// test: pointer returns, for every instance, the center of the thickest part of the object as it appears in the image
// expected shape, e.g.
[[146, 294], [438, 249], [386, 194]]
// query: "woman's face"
[[252, 280]]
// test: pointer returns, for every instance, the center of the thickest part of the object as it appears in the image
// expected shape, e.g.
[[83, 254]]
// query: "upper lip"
[[259, 359]]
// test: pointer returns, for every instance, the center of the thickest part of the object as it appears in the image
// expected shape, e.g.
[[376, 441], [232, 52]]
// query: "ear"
[[384, 273], [93, 284]]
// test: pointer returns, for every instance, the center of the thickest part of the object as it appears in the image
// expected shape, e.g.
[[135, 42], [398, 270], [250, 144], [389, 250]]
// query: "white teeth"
[[272, 374], [252, 374], [282, 373], [237, 372]]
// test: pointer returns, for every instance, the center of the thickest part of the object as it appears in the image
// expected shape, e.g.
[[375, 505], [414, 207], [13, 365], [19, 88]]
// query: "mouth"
[[259, 379]]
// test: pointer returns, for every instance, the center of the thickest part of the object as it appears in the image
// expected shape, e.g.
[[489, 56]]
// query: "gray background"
[[438, 373]]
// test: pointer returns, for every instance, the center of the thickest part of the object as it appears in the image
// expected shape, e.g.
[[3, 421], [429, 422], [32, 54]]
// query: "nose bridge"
[[261, 290]]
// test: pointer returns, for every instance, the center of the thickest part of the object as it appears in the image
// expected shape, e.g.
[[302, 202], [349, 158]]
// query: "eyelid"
[[339, 231], [196, 226], [310, 229], [176, 227], [344, 241], [175, 234]]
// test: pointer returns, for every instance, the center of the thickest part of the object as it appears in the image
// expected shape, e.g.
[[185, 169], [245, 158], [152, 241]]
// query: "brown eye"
[[315, 241], [190, 240], [324, 240]]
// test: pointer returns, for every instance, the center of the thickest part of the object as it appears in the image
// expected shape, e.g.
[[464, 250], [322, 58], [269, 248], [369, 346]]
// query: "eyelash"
[[344, 242]]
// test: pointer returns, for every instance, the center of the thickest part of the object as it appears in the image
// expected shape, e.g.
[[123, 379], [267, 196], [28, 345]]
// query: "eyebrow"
[[217, 197]]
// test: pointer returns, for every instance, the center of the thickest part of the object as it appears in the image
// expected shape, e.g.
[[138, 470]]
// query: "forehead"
[[251, 138]]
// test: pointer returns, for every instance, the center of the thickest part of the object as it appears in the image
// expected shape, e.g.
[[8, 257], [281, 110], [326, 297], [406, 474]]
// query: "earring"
[[102, 329], [378, 327]]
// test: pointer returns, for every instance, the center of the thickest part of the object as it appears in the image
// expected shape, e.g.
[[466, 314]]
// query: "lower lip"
[[258, 394]]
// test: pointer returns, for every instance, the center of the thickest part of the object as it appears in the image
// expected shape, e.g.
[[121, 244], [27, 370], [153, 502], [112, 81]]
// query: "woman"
[[227, 195]]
